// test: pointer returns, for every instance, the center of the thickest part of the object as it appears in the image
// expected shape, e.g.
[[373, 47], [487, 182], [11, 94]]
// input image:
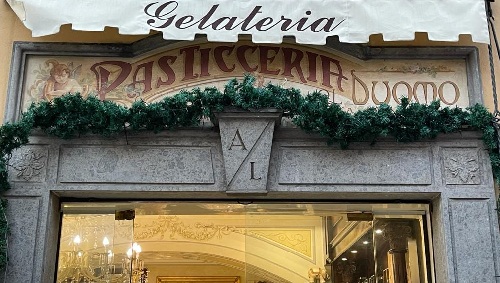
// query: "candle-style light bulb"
[[77, 240], [105, 241], [129, 253]]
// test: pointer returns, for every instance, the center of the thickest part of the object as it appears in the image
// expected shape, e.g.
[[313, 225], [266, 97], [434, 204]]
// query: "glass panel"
[[251, 243], [400, 252], [352, 252], [93, 248], [286, 243]]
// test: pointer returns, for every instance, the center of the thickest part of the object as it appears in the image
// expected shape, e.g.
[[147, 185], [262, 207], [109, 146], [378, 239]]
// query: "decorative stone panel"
[[461, 166], [23, 238], [472, 240], [329, 166], [136, 164], [29, 164]]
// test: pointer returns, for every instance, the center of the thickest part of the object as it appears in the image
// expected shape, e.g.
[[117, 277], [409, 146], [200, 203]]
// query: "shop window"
[[179, 242]]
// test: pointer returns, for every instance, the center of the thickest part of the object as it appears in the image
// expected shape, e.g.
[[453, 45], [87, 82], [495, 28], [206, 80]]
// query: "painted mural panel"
[[346, 80]]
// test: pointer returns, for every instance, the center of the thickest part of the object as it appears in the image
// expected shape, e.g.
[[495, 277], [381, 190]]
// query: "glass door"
[[231, 242], [400, 254]]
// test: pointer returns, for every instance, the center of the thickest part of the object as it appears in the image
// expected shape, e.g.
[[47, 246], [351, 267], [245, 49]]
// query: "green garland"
[[71, 115]]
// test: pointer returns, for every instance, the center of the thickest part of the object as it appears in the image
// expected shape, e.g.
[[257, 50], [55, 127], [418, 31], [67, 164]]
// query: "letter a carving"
[[237, 141]]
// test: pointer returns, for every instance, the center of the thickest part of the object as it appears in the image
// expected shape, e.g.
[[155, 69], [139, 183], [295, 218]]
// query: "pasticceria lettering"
[[197, 63], [201, 62]]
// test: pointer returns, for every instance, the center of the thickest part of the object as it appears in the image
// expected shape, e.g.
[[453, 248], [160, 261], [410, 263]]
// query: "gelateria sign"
[[348, 81], [308, 21]]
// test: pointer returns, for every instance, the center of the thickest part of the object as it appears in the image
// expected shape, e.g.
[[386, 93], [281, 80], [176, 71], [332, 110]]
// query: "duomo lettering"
[[420, 91]]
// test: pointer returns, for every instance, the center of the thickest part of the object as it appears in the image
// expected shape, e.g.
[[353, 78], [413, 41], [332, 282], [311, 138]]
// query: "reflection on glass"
[[253, 243], [93, 249], [385, 250], [399, 250]]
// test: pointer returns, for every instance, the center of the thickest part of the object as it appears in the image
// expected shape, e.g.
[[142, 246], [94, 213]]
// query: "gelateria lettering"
[[204, 63], [164, 15]]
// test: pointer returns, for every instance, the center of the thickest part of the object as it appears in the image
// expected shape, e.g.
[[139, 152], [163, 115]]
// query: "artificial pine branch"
[[71, 115]]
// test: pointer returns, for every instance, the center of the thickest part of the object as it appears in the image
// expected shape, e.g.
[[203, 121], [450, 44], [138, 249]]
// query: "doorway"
[[221, 242]]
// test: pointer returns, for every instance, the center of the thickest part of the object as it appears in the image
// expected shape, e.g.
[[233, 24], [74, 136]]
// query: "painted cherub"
[[61, 81]]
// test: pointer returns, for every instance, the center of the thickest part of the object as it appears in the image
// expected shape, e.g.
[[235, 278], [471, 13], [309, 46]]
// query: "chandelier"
[[101, 265]]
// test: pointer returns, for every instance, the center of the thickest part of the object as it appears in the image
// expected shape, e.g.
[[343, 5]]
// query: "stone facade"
[[452, 173], [279, 163]]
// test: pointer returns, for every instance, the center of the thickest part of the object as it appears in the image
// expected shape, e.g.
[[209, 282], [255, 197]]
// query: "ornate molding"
[[172, 227], [297, 240]]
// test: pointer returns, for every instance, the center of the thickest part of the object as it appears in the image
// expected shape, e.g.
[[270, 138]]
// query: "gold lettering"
[[425, 86], [354, 98], [441, 94], [388, 95], [395, 89]]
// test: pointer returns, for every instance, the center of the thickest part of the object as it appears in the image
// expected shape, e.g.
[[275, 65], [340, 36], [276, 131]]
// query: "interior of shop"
[[222, 242]]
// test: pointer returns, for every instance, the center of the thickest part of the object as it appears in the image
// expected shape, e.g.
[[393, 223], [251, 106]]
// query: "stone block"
[[330, 166], [136, 164], [22, 214], [472, 240], [246, 139]]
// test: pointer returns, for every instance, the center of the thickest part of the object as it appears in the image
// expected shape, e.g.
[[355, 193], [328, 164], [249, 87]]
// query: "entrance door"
[[221, 242]]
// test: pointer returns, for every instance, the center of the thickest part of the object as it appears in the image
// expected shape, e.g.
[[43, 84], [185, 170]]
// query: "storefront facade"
[[249, 197]]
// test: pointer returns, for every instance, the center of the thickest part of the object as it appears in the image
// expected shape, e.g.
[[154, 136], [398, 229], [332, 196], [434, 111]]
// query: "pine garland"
[[72, 115]]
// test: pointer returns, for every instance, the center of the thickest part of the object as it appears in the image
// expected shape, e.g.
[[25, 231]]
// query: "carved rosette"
[[29, 164], [461, 167]]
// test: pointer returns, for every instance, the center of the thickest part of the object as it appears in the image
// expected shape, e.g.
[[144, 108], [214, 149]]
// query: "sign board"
[[309, 21], [346, 80]]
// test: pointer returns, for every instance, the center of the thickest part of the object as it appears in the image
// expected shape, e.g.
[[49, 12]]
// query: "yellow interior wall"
[[12, 30]]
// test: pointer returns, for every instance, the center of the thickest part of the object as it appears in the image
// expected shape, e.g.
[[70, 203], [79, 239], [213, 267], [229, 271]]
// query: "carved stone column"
[[397, 233]]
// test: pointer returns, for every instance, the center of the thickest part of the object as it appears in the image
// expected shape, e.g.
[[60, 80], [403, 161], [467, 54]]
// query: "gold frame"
[[194, 279]]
